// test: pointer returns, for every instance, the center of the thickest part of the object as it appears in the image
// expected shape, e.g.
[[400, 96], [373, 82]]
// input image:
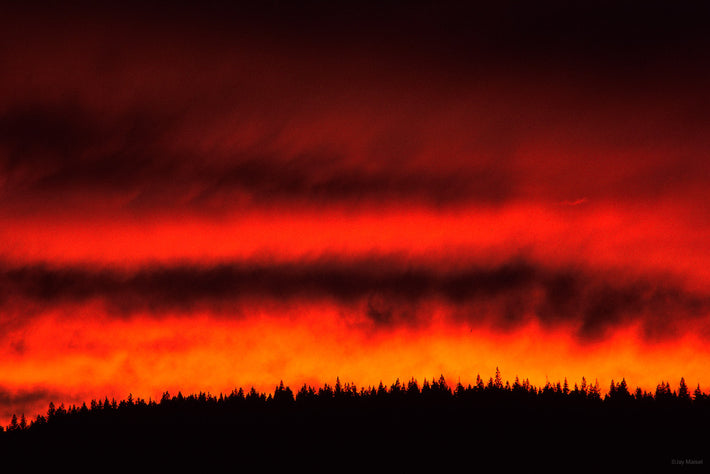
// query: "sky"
[[200, 198]]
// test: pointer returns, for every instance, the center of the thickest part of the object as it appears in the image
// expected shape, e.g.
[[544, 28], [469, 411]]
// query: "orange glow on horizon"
[[84, 358]]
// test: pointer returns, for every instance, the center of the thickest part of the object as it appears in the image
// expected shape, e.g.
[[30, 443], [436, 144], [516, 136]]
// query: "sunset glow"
[[216, 200]]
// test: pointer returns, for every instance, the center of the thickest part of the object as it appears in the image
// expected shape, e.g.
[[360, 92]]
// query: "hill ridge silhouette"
[[514, 422]]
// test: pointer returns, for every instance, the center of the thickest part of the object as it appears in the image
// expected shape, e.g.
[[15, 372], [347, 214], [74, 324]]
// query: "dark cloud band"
[[388, 291], [438, 104], [55, 150]]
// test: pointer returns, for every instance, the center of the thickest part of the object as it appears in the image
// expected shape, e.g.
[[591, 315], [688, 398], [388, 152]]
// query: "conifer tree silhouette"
[[498, 381], [683, 392], [698, 394], [14, 426], [23, 422], [412, 387], [479, 383]]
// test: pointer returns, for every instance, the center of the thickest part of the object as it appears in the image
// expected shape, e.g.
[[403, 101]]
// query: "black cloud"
[[389, 291]]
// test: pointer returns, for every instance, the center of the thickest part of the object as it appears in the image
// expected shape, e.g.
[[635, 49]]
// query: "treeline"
[[497, 418], [207, 408]]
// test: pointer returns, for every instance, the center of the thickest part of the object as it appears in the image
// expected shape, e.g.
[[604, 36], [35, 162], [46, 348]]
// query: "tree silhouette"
[[13, 426], [400, 417], [498, 381], [594, 391], [412, 388], [479, 382], [620, 391], [283, 396], [683, 392], [698, 394]]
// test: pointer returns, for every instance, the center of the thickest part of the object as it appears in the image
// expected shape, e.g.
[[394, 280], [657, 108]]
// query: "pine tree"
[[683, 392], [283, 395], [612, 390], [622, 390], [442, 384], [662, 391], [13, 426], [413, 387], [459, 391], [595, 391], [498, 382], [698, 394]]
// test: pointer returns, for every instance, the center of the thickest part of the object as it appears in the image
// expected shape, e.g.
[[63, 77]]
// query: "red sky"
[[201, 199]]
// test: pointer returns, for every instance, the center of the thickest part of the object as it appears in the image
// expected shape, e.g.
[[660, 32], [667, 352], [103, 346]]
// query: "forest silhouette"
[[488, 423]]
